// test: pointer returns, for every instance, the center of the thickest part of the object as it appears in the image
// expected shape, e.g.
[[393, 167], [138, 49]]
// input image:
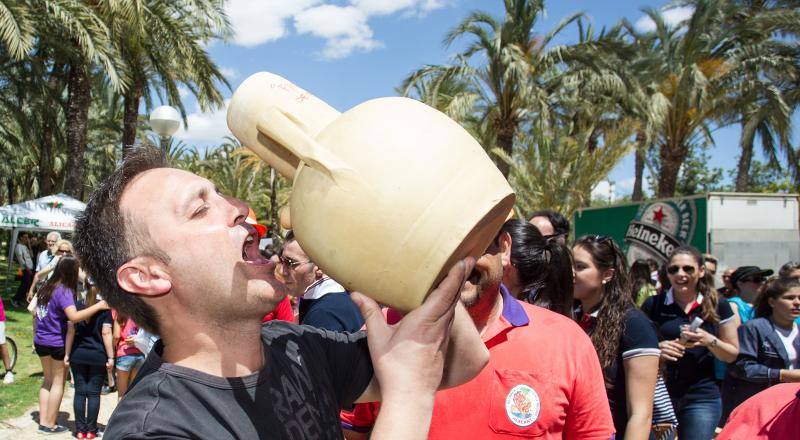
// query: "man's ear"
[[505, 248], [144, 276], [318, 273]]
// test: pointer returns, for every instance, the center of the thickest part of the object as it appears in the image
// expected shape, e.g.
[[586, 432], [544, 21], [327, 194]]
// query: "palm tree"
[[636, 65], [691, 79], [162, 46], [76, 37], [509, 83], [16, 27], [768, 79]]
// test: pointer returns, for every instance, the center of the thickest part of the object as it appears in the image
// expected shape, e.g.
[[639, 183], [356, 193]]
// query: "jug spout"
[[263, 91]]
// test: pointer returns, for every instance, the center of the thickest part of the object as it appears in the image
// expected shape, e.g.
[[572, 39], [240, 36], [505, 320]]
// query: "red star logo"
[[658, 216]]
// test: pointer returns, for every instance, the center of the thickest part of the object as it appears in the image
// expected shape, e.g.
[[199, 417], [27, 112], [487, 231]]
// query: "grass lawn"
[[23, 393]]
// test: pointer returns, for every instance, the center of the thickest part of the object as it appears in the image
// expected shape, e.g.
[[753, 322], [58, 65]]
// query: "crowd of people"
[[548, 337]]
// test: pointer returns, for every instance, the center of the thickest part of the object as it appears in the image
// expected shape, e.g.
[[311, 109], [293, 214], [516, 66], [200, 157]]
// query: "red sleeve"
[[282, 313], [284, 310], [589, 416]]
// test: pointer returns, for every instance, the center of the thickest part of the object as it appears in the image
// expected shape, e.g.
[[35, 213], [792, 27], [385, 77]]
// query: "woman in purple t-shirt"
[[55, 306]]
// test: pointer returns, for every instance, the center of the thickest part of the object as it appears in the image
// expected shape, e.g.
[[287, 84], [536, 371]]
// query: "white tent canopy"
[[52, 213]]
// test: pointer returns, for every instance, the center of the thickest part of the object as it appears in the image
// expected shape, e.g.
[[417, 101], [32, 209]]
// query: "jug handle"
[[285, 130]]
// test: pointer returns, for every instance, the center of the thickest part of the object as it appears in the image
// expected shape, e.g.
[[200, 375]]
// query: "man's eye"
[[200, 211]]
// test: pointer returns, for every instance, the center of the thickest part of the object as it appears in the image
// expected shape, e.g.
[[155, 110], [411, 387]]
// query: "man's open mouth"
[[474, 277], [250, 252]]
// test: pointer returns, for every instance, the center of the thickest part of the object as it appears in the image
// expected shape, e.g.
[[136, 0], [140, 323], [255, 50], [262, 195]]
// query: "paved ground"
[[25, 427]]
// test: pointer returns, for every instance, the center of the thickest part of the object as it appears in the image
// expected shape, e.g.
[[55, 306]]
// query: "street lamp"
[[165, 121], [611, 191]]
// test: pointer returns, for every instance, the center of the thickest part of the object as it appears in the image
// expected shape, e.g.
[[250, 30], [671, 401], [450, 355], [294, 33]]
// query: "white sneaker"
[[9, 378]]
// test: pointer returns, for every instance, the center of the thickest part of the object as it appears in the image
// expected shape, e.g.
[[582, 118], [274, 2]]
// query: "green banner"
[[650, 229]]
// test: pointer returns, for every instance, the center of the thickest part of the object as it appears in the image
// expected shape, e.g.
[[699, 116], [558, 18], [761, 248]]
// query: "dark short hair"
[[773, 288], [106, 238], [559, 222]]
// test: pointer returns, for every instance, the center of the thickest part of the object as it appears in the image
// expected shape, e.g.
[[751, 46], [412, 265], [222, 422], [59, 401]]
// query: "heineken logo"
[[651, 238], [659, 228]]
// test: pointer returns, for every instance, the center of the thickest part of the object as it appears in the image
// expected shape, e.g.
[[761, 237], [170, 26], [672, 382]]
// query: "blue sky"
[[350, 51]]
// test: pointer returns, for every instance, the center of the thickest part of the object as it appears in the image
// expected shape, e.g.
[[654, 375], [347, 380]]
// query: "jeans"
[[88, 382], [698, 418]]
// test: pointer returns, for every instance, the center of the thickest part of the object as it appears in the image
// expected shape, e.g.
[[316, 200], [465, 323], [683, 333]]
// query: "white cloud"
[[229, 73], [344, 28], [672, 17], [601, 191], [206, 126], [256, 22]]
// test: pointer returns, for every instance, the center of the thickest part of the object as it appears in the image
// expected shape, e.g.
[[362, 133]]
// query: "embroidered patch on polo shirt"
[[522, 405]]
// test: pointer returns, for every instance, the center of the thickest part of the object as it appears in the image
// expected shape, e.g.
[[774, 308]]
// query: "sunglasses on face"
[[688, 270], [64, 251], [291, 264]]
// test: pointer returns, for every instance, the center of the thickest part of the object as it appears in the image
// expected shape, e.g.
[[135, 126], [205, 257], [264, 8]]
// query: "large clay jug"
[[387, 196]]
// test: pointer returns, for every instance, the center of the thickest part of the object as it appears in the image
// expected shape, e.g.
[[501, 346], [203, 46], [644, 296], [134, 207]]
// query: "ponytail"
[[544, 267], [557, 287]]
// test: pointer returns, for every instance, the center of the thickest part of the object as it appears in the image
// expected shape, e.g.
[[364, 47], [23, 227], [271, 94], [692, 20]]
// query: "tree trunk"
[[672, 158], [10, 188], [130, 119], [743, 169], [504, 138], [638, 165], [78, 102], [49, 120]]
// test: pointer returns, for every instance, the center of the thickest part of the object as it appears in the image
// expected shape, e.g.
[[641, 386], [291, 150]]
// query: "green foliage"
[[766, 178], [558, 171]]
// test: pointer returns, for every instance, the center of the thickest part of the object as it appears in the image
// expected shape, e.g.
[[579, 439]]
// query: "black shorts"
[[56, 353]]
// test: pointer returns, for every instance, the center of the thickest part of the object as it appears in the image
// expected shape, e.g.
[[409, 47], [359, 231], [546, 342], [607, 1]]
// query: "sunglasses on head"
[[688, 270]]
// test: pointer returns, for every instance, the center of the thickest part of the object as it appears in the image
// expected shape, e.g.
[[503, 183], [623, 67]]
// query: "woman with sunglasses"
[[62, 248], [540, 270], [689, 354], [624, 338], [769, 344]]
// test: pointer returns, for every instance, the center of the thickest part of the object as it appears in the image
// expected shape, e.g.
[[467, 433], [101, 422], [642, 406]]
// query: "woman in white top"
[[768, 344]]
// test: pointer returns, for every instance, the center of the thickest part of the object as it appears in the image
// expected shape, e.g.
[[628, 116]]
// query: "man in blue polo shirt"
[[324, 303]]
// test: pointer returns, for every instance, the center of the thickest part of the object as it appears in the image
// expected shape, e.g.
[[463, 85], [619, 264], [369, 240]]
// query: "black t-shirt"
[[639, 338], [334, 311], [308, 376], [87, 347], [692, 376]]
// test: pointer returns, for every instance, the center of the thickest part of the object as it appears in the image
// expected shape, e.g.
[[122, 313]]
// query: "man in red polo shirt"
[[543, 379], [772, 414]]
